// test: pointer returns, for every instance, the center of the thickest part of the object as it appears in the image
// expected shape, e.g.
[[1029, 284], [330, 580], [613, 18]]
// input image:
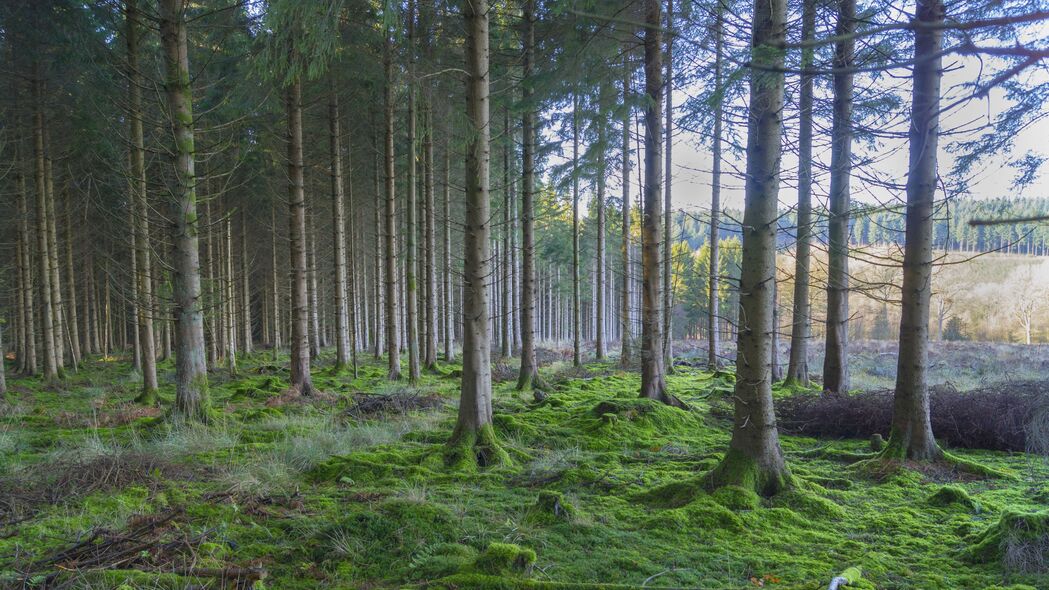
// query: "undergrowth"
[[598, 488]]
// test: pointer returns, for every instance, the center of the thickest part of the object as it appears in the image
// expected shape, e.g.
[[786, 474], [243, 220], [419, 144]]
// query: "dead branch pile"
[[61, 480], [155, 544], [399, 402], [1003, 417]]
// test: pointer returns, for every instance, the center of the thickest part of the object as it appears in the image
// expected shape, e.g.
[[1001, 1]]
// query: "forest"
[[524, 294]]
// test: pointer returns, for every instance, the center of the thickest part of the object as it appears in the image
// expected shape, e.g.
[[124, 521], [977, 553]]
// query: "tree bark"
[[300, 305], [191, 387], [338, 215], [449, 332], [411, 289], [72, 316], [473, 442], [577, 355], [911, 434], [26, 270], [835, 360], [504, 260], [230, 298], [392, 329], [47, 321], [245, 285], [754, 459], [798, 365], [429, 238], [599, 268], [668, 302], [653, 385], [625, 312], [529, 373], [275, 279], [140, 207], [714, 271], [311, 288]]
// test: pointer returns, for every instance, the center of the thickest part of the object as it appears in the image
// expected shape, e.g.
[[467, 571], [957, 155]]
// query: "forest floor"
[[347, 490]]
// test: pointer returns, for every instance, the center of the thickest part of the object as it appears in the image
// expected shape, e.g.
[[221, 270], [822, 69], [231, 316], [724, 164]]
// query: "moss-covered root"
[[896, 454], [850, 578], [1019, 539], [148, 397], [469, 450], [737, 469], [505, 559]]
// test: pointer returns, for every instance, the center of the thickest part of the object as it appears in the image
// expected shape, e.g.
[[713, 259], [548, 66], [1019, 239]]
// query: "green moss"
[[1020, 540], [808, 503], [551, 506], [953, 495], [736, 498], [505, 559], [736, 469], [442, 560], [472, 449]]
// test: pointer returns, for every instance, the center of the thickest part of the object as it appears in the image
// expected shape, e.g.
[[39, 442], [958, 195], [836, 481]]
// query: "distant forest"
[[882, 225]]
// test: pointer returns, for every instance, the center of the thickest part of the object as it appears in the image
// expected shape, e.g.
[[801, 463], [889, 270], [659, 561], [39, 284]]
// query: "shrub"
[[1005, 417]]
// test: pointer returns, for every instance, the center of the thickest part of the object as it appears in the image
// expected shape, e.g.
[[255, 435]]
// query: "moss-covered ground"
[[601, 489]]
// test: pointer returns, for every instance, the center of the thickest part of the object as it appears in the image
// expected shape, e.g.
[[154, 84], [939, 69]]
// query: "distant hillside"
[[880, 226]]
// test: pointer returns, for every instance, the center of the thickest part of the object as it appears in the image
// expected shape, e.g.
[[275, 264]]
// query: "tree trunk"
[[275, 279], [754, 459], [411, 289], [25, 264], [57, 304], [230, 299], [626, 326], [473, 442], [668, 301], [300, 305], [447, 310], [47, 321], [245, 285], [392, 343], [599, 265], [311, 288], [338, 216], [140, 208], [72, 317], [379, 286], [133, 296], [798, 365], [504, 260], [576, 352], [713, 272], [191, 379], [835, 360], [653, 385], [430, 249], [529, 373], [911, 434]]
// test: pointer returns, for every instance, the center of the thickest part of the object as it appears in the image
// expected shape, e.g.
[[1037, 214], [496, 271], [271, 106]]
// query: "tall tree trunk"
[[392, 288], [191, 379], [599, 266], [835, 360], [311, 288], [625, 312], [47, 321], [430, 249], [577, 355], [351, 286], [529, 369], [473, 442], [133, 296], [449, 332], [25, 264], [275, 280], [245, 285], [300, 305], [798, 365], [911, 434], [230, 299], [713, 272], [504, 260], [57, 303], [211, 318], [72, 316], [754, 459], [140, 208], [668, 300], [377, 334], [338, 215], [653, 385], [411, 292]]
